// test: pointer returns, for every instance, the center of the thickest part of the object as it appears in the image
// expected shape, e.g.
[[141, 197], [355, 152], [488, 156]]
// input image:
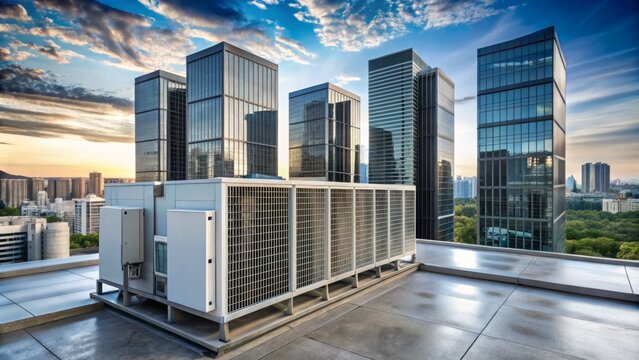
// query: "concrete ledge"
[[593, 259], [41, 266], [468, 273], [38, 320]]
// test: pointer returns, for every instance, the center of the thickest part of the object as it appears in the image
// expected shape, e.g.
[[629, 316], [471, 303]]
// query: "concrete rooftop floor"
[[420, 316], [465, 302]]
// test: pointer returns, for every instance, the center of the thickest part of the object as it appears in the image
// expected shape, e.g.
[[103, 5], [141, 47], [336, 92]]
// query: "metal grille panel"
[[257, 245], [364, 229], [381, 225], [341, 231], [409, 231], [396, 231], [311, 236]]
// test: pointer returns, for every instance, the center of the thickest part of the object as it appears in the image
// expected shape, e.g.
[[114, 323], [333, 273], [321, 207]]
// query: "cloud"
[[353, 26], [211, 14], [258, 4], [5, 54], [15, 12], [4, 143], [127, 39], [16, 79], [465, 99], [35, 105], [45, 130], [209, 26], [343, 79], [50, 50]]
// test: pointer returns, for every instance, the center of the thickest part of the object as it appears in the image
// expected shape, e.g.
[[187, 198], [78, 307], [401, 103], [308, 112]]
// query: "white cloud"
[[352, 26], [344, 79], [258, 4]]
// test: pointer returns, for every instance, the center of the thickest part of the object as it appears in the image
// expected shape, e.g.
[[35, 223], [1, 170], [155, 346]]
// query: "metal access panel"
[[113, 222], [132, 235], [191, 258]]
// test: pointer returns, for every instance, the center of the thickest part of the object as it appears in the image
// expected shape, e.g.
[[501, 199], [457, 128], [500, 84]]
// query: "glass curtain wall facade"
[[232, 113], [435, 156], [521, 111], [160, 127], [324, 134], [393, 108]]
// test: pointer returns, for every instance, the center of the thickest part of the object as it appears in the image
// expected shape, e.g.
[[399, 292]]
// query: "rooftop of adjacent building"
[[323, 86], [465, 302], [396, 58]]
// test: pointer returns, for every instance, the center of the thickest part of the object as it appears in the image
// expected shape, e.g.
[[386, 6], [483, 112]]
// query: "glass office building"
[[232, 113], [392, 112], [160, 127], [435, 156], [324, 134], [411, 117], [521, 111]]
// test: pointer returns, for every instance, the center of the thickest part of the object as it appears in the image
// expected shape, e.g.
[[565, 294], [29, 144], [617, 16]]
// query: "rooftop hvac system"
[[223, 248]]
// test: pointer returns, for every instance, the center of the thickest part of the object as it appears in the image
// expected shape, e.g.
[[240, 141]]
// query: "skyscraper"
[[595, 177], [232, 113], [571, 184], [521, 111], [78, 187], [435, 156], [96, 184], [160, 127], [411, 116], [324, 134], [35, 185], [465, 187], [62, 188], [13, 191]]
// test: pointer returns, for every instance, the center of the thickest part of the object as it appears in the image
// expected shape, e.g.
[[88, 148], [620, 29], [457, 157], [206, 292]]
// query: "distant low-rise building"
[[587, 201], [620, 205], [25, 238], [87, 214]]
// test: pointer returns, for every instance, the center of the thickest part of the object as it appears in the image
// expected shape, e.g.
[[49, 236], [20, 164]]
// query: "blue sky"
[[67, 67]]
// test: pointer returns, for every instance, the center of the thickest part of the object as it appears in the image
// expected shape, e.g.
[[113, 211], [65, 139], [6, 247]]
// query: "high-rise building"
[[78, 187], [35, 185], [521, 111], [42, 199], [13, 191], [465, 187], [435, 155], [160, 127], [571, 184], [61, 188], [595, 177], [324, 134], [87, 214], [96, 184], [232, 113], [411, 116]]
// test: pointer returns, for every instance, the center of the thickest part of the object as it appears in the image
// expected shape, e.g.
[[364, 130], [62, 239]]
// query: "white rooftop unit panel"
[[191, 258], [116, 224]]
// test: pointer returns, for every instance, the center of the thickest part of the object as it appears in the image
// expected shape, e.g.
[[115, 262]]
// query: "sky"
[[67, 67]]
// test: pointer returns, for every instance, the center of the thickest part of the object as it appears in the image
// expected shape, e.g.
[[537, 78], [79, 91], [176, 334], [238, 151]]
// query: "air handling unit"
[[225, 248]]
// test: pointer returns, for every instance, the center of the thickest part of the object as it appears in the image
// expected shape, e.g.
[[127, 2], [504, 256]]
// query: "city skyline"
[[68, 87]]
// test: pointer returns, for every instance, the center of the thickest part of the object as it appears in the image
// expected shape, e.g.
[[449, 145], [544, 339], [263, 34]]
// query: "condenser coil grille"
[[311, 236], [341, 231], [396, 230], [409, 218], [364, 227], [381, 225], [257, 244]]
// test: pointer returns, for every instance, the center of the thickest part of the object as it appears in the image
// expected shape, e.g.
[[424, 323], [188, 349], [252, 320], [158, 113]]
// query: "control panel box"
[[121, 240]]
